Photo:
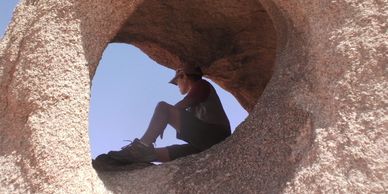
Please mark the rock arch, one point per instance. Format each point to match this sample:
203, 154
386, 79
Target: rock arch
308, 132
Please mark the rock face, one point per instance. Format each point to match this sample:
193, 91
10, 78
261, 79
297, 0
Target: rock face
312, 74
237, 37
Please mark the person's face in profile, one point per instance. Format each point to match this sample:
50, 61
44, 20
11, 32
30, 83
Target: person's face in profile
183, 84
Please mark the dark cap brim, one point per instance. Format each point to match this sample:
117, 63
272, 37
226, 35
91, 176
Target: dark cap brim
173, 81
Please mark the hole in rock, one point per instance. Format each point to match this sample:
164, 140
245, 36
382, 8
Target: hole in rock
125, 90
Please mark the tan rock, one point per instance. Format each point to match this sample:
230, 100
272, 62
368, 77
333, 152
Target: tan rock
314, 81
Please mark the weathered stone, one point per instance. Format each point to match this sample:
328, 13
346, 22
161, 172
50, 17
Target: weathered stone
318, 111
237, 37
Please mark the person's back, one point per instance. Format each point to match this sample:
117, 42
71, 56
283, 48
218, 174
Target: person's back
210, 109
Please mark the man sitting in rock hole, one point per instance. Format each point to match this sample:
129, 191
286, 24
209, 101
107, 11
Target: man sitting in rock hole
199, 119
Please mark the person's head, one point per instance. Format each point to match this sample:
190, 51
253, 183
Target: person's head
185, 77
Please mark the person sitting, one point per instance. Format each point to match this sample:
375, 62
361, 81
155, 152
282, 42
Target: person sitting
199, 119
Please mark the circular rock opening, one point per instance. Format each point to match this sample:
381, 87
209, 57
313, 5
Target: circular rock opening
125, 90
233, 43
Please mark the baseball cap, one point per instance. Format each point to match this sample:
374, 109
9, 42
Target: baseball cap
188, 70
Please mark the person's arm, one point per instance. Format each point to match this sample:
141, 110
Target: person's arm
198, 93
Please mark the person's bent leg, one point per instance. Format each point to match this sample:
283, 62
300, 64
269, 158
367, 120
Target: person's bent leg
164, 114
142, 150
173, 152
181, 150
162, 155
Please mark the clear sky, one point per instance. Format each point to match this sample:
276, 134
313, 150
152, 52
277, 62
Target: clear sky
125, 91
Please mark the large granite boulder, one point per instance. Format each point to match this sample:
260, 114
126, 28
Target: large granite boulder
311, 74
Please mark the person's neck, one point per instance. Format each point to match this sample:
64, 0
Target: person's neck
191, 83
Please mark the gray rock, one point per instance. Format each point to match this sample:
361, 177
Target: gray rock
312, 74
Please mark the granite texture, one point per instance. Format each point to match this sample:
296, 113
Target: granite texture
312, 74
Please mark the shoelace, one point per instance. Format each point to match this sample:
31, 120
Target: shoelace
130, 143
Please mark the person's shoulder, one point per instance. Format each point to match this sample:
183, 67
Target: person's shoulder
203, 83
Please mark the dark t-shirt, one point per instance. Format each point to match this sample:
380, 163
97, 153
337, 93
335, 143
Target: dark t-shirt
199, 91
205, 103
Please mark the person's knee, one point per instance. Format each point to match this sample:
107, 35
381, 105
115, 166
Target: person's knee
163, 106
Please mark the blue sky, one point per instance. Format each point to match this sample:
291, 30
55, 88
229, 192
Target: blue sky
125, 90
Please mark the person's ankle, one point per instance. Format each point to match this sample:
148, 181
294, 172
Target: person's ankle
145, 142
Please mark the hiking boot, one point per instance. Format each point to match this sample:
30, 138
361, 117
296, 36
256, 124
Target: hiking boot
137, 151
